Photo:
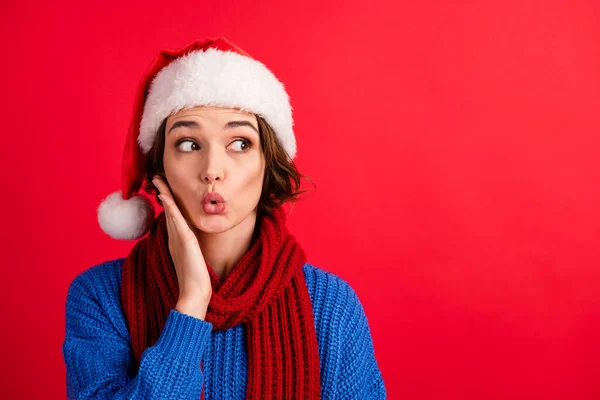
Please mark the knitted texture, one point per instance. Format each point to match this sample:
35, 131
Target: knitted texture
266, 291
100, 364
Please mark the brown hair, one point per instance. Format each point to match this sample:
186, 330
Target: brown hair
281, 182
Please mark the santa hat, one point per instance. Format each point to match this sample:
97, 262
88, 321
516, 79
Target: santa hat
208, 72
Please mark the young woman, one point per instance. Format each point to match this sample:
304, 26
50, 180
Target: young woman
218, 300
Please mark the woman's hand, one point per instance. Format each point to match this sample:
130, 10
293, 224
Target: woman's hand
195, 289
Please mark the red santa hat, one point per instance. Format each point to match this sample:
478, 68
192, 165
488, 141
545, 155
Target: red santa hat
208, 72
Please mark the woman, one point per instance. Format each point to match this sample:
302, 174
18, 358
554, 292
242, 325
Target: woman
218, 299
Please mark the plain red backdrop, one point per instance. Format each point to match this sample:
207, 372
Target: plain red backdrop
454, 145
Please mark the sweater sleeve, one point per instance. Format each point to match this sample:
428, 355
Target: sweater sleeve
99, 358
359, 377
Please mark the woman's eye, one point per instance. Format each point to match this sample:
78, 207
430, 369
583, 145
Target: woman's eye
189, 145
245, 144
187, 142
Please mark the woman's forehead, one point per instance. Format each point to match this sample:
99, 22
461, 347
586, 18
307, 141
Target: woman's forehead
212, 110
195, 117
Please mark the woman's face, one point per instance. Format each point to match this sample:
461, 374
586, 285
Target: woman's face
214, 149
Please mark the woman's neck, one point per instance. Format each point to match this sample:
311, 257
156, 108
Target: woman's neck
222, 251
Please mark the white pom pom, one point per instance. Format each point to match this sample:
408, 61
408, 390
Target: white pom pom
125, 219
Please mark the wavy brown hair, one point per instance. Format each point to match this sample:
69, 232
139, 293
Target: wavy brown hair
281, 182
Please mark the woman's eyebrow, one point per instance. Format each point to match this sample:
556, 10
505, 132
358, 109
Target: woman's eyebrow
196, 125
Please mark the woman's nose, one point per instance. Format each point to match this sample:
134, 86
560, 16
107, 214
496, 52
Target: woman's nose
214, 167
212, 177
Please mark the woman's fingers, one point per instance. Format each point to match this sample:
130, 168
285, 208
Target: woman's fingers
161, 185
170, 206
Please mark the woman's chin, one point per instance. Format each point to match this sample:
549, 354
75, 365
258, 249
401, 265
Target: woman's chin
212, 223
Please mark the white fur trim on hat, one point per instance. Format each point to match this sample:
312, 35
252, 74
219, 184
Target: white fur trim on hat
125, 219
219, 78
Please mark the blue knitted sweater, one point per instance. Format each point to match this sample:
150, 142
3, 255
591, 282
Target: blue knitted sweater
99, 359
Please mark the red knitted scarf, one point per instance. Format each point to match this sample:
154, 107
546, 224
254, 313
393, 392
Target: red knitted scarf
266, 292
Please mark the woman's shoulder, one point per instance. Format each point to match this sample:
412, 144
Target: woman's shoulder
332, 297
322, 282
103, 275
96, 290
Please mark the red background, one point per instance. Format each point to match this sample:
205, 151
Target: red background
454, 145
